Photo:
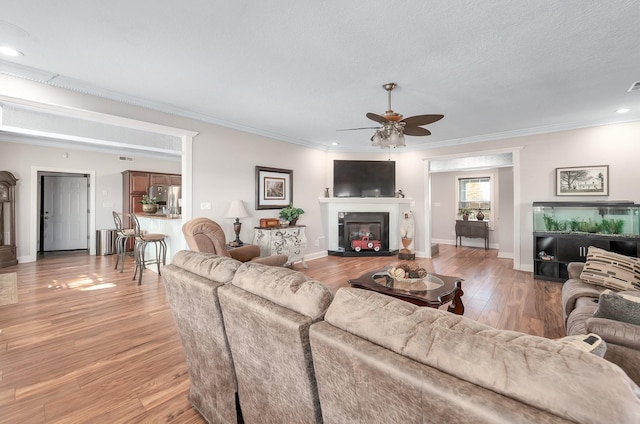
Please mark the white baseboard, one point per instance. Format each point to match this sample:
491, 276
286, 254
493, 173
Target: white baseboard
315, 255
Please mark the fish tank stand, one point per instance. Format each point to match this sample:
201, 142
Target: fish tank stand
563, 232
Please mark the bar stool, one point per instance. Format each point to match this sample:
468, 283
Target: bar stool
123, 236
142, 240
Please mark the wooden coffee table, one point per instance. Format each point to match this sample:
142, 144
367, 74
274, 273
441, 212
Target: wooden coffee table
434, 291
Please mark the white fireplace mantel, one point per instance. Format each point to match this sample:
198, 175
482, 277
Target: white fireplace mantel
330, 207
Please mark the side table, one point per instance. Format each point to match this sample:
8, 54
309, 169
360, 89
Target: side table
290, 241
472, 229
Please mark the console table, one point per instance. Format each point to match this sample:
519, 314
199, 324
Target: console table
290, 241
472, 229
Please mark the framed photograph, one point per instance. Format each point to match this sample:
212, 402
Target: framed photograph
274, 187
583, 181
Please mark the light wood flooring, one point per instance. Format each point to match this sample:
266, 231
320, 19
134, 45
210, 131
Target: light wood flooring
86, 344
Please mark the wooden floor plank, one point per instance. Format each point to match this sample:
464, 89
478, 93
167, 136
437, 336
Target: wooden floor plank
85, 343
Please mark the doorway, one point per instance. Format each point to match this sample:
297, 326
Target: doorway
63, 212
489, 159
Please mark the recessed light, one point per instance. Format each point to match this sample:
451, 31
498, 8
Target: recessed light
623, 110
334, 143
10, 51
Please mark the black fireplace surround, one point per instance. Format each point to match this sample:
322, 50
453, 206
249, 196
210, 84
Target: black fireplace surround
354, 225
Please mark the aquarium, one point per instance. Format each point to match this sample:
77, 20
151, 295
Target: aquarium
607, 218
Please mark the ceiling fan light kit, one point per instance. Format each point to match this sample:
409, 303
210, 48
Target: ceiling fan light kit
388, 136
394, 128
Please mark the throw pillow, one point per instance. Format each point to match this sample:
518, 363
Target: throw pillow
621, 306
611, 270
586, 342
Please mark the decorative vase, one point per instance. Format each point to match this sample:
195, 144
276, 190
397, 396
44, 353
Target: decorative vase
293, 222
465, 217
479, 215
149, 208
406, 242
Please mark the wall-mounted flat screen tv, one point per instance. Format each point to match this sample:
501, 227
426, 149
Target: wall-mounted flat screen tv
364, 178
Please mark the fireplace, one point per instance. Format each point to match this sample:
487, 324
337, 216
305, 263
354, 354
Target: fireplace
332, 208
363, 234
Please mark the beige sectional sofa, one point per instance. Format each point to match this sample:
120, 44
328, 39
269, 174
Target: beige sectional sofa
267, 314
192, 282
580, 302
374, 359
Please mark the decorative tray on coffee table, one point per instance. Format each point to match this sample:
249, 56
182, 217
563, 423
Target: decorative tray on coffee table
408, 278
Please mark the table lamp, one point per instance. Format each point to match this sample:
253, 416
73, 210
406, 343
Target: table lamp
237, 211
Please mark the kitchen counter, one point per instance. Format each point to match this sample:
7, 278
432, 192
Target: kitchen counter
170, 226
158, 216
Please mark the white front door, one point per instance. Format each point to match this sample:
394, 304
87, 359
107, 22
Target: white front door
65, 213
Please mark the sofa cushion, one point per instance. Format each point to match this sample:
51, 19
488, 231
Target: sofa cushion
285, 287
207, 265
514, 364
584, 309
574, 289
611, 270
620, 306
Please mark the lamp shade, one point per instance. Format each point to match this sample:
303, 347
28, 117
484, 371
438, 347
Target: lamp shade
376, 139
236, 210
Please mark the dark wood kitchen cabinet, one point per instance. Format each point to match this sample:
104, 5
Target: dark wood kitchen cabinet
135, 184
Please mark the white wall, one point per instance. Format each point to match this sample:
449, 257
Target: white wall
224, 161
615, 145
19, 159
444, 209
505, 219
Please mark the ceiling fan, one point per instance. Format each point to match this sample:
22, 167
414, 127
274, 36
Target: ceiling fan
394, 127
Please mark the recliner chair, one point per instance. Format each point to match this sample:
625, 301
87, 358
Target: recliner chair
204, 235
580, 302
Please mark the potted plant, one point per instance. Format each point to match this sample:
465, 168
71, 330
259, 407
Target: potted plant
149, 204
291, 214
465, 213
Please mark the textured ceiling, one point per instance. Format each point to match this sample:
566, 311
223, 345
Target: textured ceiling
298, 70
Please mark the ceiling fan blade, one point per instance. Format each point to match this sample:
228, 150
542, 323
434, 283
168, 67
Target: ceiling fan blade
416, 131
363, 128
377, 118
415, 121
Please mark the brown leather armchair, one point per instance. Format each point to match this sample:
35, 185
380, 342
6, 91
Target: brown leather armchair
205, 235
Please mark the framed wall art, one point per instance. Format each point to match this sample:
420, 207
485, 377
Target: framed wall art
274, 187
583, 181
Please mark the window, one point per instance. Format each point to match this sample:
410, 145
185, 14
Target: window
475, 193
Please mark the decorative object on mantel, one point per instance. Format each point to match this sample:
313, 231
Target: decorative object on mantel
291, 214
479, 215
465, 213
583, 181
237, 211
399, 194
274, 188
326, 192
407, 233
149, 204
